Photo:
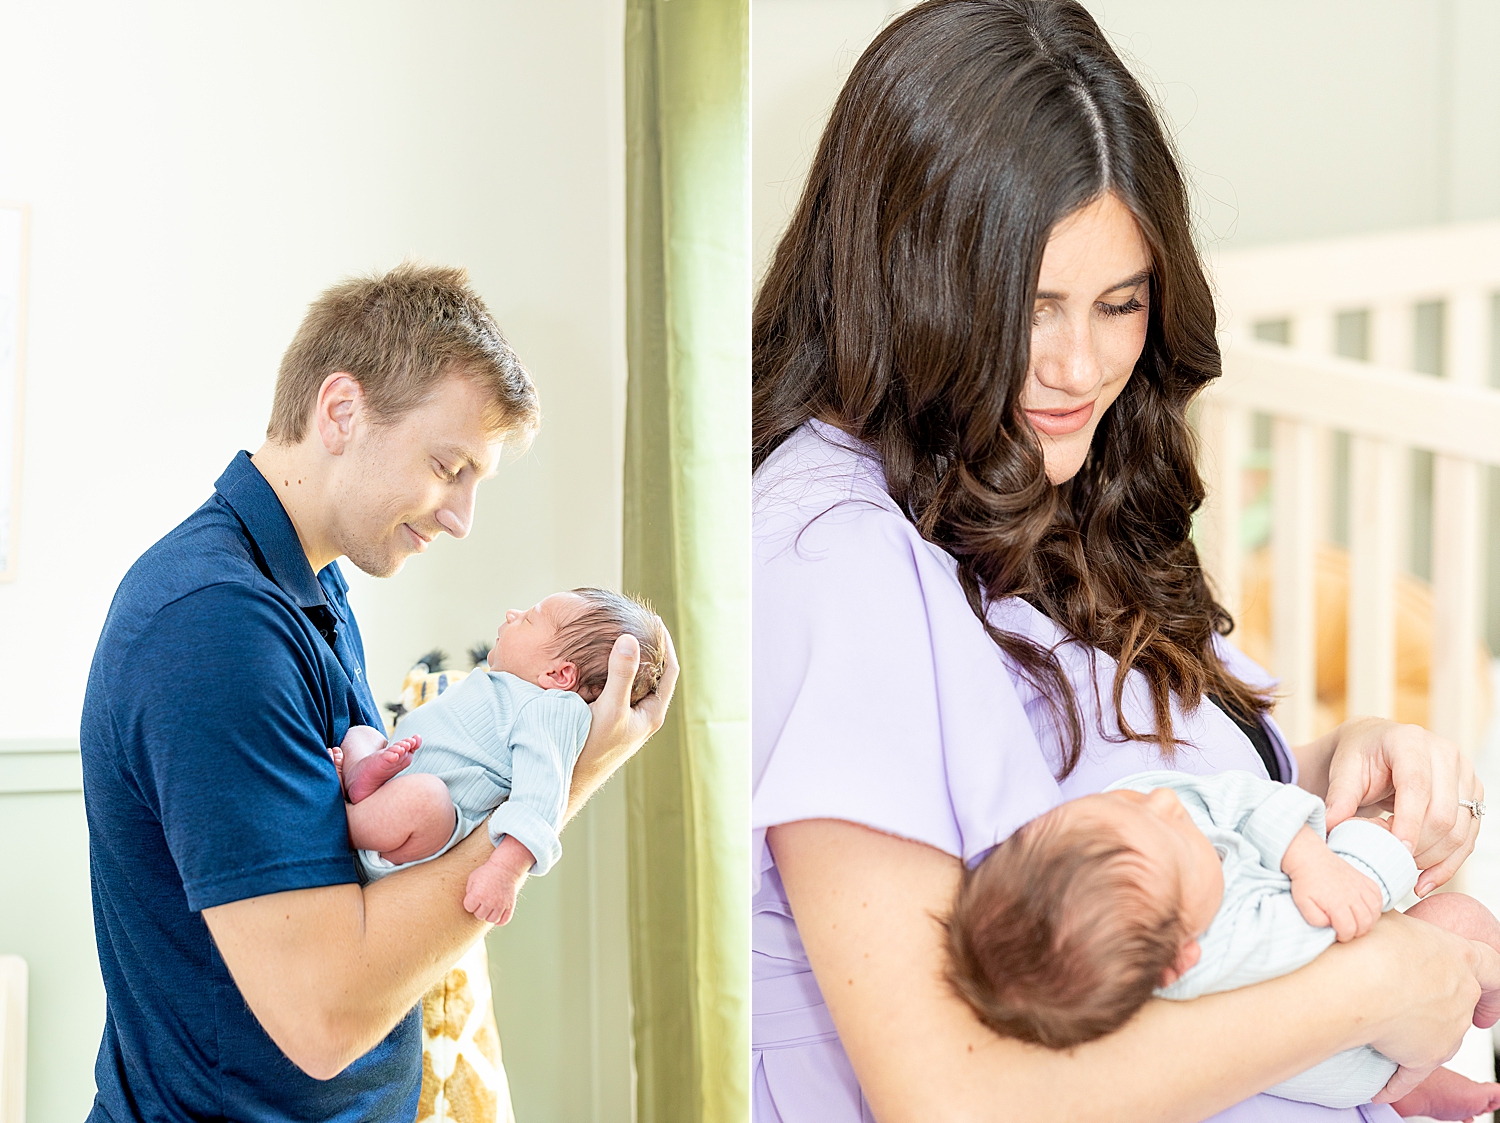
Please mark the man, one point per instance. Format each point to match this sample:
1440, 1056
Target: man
249, 975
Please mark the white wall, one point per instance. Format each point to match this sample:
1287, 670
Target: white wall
197, 173
1295, 119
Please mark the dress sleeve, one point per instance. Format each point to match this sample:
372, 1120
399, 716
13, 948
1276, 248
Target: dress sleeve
879, 697
545, 740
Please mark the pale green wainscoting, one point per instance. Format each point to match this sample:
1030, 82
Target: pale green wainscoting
46, 918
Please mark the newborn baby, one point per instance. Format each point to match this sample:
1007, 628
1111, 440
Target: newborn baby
1179, 886
501, 744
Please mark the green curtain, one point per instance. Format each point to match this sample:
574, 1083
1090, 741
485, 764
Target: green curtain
687, 542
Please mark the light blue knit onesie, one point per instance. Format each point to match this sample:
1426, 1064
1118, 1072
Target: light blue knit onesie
1258, 932
506, 750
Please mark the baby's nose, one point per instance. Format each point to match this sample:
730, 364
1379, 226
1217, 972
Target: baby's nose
511, 614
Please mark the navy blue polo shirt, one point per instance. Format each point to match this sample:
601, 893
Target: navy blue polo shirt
225, 669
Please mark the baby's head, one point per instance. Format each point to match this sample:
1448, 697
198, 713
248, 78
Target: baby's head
563, 642
1064, 930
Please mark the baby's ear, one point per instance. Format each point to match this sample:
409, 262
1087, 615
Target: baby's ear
1187, 956
563, 676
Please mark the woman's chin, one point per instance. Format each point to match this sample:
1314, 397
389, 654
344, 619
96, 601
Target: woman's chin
1062, 463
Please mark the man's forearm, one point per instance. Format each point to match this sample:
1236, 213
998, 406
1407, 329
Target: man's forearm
328, 972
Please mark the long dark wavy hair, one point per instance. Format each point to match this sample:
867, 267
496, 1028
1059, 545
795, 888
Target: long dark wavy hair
898, 308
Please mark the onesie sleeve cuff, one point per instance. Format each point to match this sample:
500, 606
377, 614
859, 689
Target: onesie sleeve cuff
1271, 827
1378, 854
530, 830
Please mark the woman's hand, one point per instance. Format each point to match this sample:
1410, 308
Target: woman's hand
1424, 981
1370, 762
618, 729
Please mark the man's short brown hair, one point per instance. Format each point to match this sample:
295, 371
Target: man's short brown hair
587, 639
1055, 937
401, 334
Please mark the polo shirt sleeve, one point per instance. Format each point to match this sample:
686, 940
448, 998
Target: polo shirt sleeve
232, 710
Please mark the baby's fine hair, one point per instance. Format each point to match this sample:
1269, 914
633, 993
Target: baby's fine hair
587, 639
1054, 939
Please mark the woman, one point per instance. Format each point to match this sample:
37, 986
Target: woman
976, 595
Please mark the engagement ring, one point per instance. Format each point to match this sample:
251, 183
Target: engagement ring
1475, 806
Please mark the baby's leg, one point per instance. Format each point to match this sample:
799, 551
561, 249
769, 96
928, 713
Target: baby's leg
366, 761
1464, 916
409, 818
1447, 1095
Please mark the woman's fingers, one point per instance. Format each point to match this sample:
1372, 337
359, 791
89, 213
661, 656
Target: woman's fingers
1435, 877
1404, 1081
1430, 977
1454, 828
1349, 785
1414, 769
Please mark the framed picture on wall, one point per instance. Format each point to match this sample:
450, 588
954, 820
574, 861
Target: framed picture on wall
13, 238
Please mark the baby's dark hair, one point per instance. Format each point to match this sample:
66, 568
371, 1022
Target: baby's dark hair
1054, 938
587, 639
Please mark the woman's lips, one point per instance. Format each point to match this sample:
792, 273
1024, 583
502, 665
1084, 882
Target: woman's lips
1059, 423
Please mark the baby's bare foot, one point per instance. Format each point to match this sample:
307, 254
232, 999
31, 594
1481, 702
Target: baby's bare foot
338, 760
1447, 1095
365, 776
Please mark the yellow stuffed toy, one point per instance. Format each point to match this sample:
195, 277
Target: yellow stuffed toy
463, 1079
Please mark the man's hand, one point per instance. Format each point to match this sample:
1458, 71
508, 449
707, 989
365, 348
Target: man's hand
1328, 891
492, 888
618, 729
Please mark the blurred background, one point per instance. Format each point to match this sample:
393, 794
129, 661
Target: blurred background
191, 176
1344, 164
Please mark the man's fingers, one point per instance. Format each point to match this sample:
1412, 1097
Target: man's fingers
624, 661
652, 709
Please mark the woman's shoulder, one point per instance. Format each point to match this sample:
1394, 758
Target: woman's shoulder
819, 503
880, 698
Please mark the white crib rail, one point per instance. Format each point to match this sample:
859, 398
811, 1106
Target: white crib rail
1385, 410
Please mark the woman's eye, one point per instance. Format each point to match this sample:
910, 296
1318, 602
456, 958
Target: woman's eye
1132, 305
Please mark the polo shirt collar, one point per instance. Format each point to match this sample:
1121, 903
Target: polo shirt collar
254, 501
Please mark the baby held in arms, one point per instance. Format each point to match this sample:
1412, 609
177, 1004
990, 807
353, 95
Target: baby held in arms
1176, 886
499, 746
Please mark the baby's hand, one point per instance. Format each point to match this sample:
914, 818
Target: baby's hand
1328, 891
491, 892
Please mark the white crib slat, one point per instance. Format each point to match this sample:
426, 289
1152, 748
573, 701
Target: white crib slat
1467, 336
1393, 335
12, 1039
1374, 537
1225, 433
1312, 330
1294, 518
1454, 693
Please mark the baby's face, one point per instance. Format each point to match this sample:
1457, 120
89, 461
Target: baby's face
1159, 827
526, 644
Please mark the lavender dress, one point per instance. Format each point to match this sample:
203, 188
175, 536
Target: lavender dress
951, 748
